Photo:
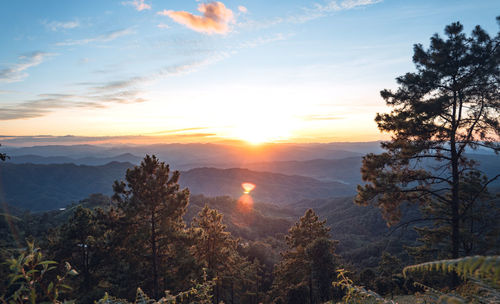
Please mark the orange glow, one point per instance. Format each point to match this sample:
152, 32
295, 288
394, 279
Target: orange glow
245, 203
245, 215
247, 187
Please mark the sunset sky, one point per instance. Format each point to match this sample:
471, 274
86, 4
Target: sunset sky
195, 71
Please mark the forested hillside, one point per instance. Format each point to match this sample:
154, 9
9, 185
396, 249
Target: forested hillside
48, 187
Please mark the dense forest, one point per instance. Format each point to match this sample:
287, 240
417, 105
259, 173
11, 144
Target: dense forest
422, 227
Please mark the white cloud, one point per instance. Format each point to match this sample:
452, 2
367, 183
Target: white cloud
242, 9
101, 38
163, 26
263, 40
58, 25
321, 10
138, 4
17, 72
317, 10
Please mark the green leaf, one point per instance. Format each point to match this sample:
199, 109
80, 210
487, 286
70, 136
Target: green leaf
47, 262
49, 288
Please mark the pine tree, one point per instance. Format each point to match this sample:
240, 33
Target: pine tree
449, 106
297, 275
152, 206
216, 250
80, 242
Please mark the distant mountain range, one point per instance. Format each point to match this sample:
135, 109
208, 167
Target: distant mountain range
44, 187
284, 174
90, 161
187, 156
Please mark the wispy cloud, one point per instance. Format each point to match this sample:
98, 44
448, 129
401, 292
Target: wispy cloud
100, 95
263, 40
320, 117
317, 10
150, 138
60, 25
174, 131
138, 4
242, 9
46, 103
163, 26
101, 38
17, 72
321, 10
215, 18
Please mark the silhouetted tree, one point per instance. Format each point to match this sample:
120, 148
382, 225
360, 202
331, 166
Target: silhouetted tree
297, 275
216, 249
322, 263
80, 241
3, 156
152, 205
447, 107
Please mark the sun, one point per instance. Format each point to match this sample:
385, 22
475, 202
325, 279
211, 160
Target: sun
262, 129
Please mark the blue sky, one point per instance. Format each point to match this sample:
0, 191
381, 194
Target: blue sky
204, 71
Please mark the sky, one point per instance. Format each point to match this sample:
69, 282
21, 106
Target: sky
160, 71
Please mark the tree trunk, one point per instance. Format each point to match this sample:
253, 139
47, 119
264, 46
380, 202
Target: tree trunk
232, 291
310, 290
155, 255
455, 199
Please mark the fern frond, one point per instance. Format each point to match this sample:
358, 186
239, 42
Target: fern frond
480, 267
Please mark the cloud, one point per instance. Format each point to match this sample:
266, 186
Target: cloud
242, 9
100, 95
321, 117
17, 72
349, 4
138, 4
58, 25
215, 18
46, 103
101, 38
321, 10
163, 26
164, 132
132, 139
316, 11
263, 40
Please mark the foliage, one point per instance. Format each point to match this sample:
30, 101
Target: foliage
479, 267
81, 241
305, 264
214, 248
448, 107
31, 279
200, 293
356, 294
151, 206
481, 273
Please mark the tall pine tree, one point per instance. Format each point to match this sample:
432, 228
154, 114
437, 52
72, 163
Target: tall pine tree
302, 272
449, 106
152, 206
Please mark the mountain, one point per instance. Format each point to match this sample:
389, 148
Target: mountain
181, 156
44, 187
345, 170
362, 232
90, 161
270, 187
